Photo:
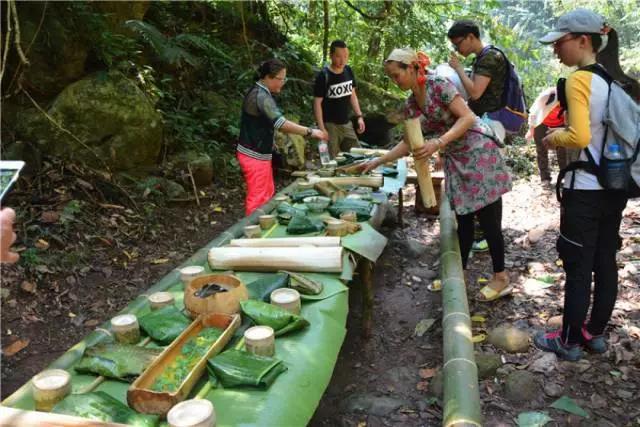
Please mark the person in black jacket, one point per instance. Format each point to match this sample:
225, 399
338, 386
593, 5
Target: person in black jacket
260, 118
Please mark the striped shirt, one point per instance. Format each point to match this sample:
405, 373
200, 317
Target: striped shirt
260, 118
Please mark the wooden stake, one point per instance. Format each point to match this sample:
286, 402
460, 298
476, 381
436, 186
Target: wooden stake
193, 183
415, 139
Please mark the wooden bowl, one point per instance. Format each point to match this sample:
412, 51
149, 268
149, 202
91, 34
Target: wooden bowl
221, 302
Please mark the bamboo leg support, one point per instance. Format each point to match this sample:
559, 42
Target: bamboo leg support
366, 279
400, 208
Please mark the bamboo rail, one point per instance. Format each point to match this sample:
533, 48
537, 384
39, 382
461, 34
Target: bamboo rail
460, 372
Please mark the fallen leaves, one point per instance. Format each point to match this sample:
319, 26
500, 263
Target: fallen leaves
423, 326
15, 347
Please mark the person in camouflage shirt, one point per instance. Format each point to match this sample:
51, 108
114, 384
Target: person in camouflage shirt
485, 86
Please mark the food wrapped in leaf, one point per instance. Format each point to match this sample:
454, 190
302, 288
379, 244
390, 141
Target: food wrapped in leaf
116, 360
302, 225
99, 406
278, 318
304, 284
298, 196
286, 208
164, 325
261, 289
362, 208
234, 368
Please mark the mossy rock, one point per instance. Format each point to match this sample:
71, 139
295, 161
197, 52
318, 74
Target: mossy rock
112, 118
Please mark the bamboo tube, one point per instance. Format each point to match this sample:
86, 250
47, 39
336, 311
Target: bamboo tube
369, 151
12, 417
362, 181
311, 259
320, 241
415, 139
461, 394
329, 189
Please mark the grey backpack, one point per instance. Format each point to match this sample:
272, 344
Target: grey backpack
622, 128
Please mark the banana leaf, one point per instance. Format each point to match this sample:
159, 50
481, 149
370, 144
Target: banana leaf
302, 225
278, 318
367, 242
164, 325
115, 360
362, 208
99, 406
298, 196
234, 368
261, 289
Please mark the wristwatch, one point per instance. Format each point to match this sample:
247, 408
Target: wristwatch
308, 133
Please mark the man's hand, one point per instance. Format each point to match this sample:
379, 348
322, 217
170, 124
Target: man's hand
7, 236
360, 124
454, 62
320, 134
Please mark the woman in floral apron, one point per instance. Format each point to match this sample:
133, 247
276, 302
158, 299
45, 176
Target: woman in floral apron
475, 172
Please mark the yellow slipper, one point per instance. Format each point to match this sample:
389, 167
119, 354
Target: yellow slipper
487, 293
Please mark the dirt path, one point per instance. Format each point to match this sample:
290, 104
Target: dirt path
393, 379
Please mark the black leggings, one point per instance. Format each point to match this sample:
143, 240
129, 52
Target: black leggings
588, 242
490, 218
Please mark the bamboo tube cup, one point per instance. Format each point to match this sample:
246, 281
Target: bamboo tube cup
286, 298
415, 139
267, 221
126, 328
192, 413
160, 299
252, 232
260, 340
50, 387
189, 273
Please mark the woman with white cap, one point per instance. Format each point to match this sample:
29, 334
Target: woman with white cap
475, 171
590, 215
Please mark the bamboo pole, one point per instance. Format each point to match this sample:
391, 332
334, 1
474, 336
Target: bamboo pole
369, 151
74, 354
415, 139
461, 394
363, 181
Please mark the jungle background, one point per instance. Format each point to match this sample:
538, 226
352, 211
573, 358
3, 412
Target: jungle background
127, 112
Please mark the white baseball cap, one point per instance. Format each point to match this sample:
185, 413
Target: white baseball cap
581, 21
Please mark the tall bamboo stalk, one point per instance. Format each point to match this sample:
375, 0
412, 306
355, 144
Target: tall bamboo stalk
461, 394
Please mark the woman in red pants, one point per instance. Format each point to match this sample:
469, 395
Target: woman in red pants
260, 118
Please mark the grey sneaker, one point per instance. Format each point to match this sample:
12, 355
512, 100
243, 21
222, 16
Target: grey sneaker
594, 343
552, 342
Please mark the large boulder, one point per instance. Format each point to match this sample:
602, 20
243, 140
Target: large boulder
112, 121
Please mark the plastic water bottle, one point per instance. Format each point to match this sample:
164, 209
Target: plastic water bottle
323, 148
616, 173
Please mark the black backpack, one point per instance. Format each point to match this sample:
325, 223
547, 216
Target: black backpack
325, 72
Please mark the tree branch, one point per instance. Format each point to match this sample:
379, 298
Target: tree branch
16, 40
379, 17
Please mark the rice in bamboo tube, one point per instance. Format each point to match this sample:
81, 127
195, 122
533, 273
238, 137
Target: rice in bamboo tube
415, 139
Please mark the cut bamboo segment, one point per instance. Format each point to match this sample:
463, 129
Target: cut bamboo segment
362, 181
283, 242
415, 139
311, 259
329, 189
369, 151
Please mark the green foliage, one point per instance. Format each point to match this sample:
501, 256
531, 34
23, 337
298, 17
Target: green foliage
521, 157
71, 209
170, 50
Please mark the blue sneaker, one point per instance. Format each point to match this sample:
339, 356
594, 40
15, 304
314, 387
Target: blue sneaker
594, 343
552, 342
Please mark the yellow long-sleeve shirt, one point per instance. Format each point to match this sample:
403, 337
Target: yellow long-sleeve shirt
587, 95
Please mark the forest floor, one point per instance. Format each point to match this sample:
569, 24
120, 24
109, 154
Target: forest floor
83, 261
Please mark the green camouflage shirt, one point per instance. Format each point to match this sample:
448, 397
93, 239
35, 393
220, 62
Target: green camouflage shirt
491, 64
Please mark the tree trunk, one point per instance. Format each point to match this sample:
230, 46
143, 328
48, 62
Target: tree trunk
325, 39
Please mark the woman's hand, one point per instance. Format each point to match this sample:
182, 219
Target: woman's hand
546, 141
319, 134
7, 236
369, 166
430, 147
